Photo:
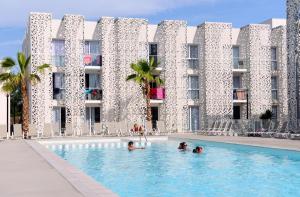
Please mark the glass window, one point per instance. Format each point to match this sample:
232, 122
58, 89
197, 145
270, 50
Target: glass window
194, 118
274, 58
153, 49
92, 53
92, 81
193, 52
236, 57
274, 85
236, 82
58, 52
58, 86
193, 61
193, 89
274, 111
153, 52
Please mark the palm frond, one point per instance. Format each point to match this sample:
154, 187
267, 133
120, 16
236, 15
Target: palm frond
10, 85
159, 81
4, 76
27, 62
130, 77
42, 68
135, 67
22, 62
8, 63
34, 79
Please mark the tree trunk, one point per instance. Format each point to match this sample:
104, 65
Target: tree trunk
25, 109
149, 115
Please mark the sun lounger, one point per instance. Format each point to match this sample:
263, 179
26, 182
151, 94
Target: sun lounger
18, 131
214, 130
47, 131
283, 131
219, 128
3, 133
68, 130
112, 129
161, 128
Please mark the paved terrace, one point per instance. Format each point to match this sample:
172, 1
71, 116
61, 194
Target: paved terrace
23, 172
252, 141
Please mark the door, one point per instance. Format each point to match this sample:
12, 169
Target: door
154, 112
236, 112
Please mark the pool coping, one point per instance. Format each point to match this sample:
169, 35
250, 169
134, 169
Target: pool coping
86, 185
217, 139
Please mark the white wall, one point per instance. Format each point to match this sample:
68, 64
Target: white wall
3, 106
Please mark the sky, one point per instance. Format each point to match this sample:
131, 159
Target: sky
14, 13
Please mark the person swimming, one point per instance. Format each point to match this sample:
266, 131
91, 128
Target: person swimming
182, 146
131, 146
198, 149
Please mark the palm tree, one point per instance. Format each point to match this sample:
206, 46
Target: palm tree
12, 80
143, 76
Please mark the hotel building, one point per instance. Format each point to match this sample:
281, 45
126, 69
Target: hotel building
211, 71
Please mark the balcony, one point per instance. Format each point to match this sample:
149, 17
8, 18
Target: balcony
157, 93
239, 95
58, 60
93, 94
239, 65
92, 60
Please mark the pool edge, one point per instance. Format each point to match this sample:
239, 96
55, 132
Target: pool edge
86, 185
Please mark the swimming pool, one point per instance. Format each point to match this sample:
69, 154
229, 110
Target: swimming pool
162, 170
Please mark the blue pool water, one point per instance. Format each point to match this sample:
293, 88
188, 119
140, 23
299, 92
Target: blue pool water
162, 170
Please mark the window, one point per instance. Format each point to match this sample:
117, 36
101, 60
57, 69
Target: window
153, 52
236, 82
193, 61
193, 88
93, 87
194, 118
58, 52
92, 55
59, 116
274, 88
274, 111
274, 58
237, 64
58, 86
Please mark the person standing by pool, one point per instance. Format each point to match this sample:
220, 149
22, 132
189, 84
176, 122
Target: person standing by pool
198, 150
131, 146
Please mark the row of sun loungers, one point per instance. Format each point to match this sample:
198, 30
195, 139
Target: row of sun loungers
98, 129
274, 129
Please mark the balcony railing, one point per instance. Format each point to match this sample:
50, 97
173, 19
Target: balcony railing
157, 93
92, 60
59, 94
58, 60
238, 63
193, 63
239, 94
93, 94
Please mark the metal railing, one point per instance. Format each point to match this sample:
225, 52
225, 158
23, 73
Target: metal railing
239, 94
92, 60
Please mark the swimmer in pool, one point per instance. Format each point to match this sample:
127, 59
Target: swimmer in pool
131, 146
198, 150
182, 146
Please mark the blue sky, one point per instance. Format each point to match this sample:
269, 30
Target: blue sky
14, 13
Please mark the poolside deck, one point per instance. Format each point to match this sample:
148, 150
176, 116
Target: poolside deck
252, 141
24, 172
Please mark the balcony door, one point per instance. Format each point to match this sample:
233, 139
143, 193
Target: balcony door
236, 112
194, 118
154, 112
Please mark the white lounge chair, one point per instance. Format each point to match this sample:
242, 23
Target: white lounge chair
33, 130
3, 133
18, 131
68, 130
85, 129
161, 128
48, 130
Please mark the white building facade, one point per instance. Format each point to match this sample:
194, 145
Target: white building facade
5, 107
211, 71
